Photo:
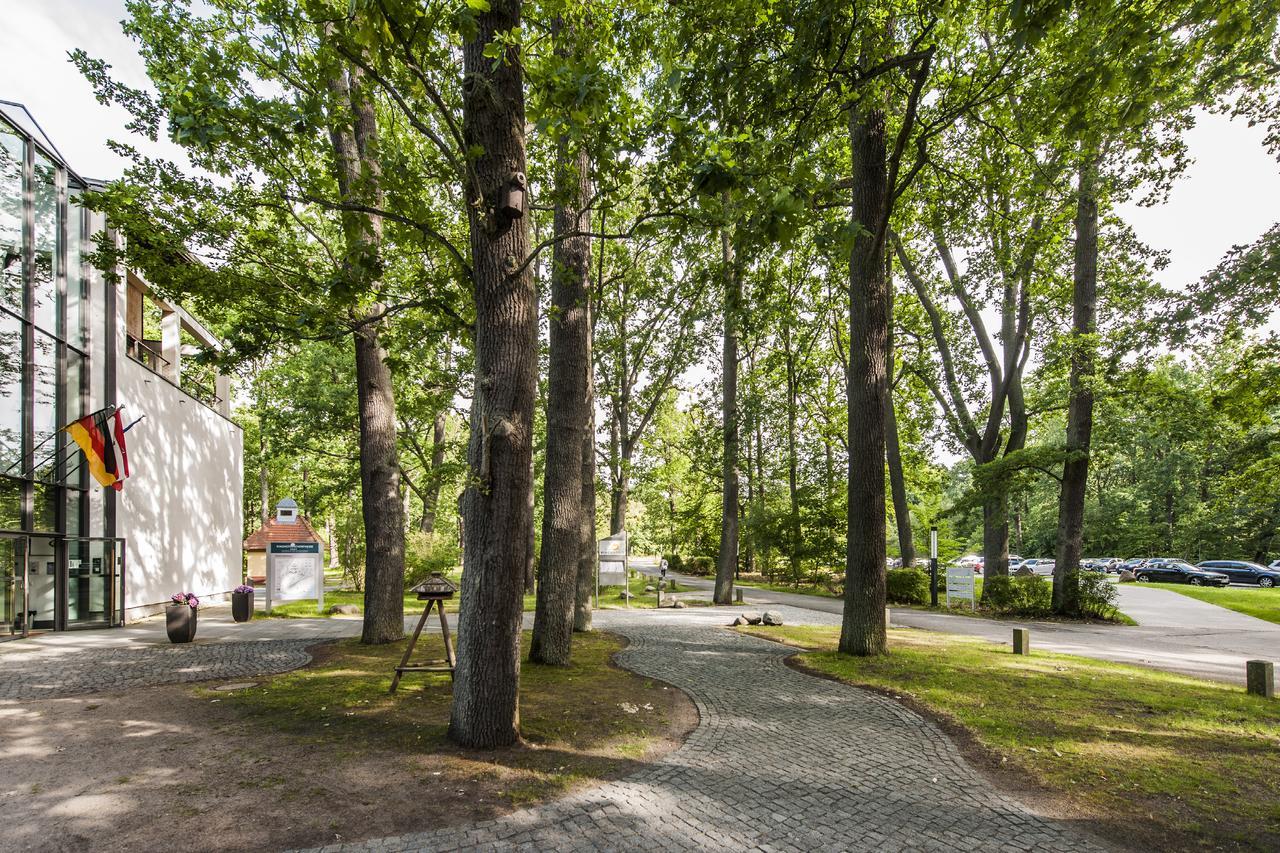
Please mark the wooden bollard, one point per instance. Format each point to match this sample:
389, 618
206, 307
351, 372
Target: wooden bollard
1022, 641
887, 618
1260, 678
737, 595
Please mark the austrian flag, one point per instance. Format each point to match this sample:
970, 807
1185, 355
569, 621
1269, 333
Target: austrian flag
101, 437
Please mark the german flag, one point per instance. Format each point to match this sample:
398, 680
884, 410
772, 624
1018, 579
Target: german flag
101, 437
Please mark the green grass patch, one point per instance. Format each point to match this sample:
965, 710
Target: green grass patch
1252, 601
585, 722
611, 597
1136, 747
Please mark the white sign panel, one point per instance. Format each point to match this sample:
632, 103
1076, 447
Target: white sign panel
960, 584
294, 577
613, 560
295, 571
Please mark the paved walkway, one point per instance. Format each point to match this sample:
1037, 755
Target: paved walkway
779, 761
1175, 633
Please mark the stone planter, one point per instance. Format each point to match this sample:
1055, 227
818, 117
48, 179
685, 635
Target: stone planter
242, 606
180, 623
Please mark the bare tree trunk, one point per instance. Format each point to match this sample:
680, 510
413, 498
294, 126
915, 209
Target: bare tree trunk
568, 415
353, 133
1075, 471
263, 489
587, 554
432, 497
793, 460
486, 707
893, 453
898, 485
863, 628
727, 560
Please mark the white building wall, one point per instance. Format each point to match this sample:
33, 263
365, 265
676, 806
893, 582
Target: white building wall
181, 508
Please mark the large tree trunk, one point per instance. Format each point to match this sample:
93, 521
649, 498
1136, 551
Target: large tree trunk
995, 536
1075, 471
486, 709
354, 137
568, 414
863, 628
727, 560
380, 493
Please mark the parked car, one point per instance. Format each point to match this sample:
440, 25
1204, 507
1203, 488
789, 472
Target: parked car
1180, 571
1108, 564
1242, 571
1133, 564
1038, 565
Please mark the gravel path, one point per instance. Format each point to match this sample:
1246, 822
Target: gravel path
779, 761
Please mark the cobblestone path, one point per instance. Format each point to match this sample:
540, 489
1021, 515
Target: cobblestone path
51, 672
779, 761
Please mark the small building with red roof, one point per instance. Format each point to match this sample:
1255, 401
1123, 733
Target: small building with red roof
288, 527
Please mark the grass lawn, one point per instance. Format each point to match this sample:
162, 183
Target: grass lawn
1142, 751
1253, 601
583, 723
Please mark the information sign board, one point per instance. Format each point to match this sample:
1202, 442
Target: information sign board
960, 584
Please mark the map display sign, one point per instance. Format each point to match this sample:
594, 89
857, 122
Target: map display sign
960, 584
295, 571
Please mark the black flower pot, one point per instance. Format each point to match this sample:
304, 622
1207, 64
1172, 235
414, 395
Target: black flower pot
180, 623
242, 606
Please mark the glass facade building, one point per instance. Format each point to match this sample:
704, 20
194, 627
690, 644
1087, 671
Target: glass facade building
59, 565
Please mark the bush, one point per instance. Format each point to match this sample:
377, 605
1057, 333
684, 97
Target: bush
1097, 596
700, 565
1017, 596
906, 586
675, 563
422, 556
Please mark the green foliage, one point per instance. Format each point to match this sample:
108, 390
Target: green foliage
1017, 595
1096, 594
425, 554
907, 586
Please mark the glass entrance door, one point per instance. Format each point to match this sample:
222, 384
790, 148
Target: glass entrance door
94, 574
15, 618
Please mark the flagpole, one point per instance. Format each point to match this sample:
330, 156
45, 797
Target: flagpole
110, 410
80, 464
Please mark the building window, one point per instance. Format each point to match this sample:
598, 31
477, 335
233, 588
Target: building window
44, 290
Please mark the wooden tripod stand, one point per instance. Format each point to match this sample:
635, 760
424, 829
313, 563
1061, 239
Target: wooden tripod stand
446, 665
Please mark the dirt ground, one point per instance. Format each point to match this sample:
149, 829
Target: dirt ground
192, 768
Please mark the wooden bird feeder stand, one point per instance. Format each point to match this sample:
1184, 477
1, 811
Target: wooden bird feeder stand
435, 590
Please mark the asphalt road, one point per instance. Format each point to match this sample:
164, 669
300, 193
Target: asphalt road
1174, 632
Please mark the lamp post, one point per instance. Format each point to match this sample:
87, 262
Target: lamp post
933, 566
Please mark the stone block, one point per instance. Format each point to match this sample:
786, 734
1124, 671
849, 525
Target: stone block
1260, 678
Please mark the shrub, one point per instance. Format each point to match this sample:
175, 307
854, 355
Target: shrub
675, 563
1017, 596
700, 565
906, 586
1097, 596
424, 555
